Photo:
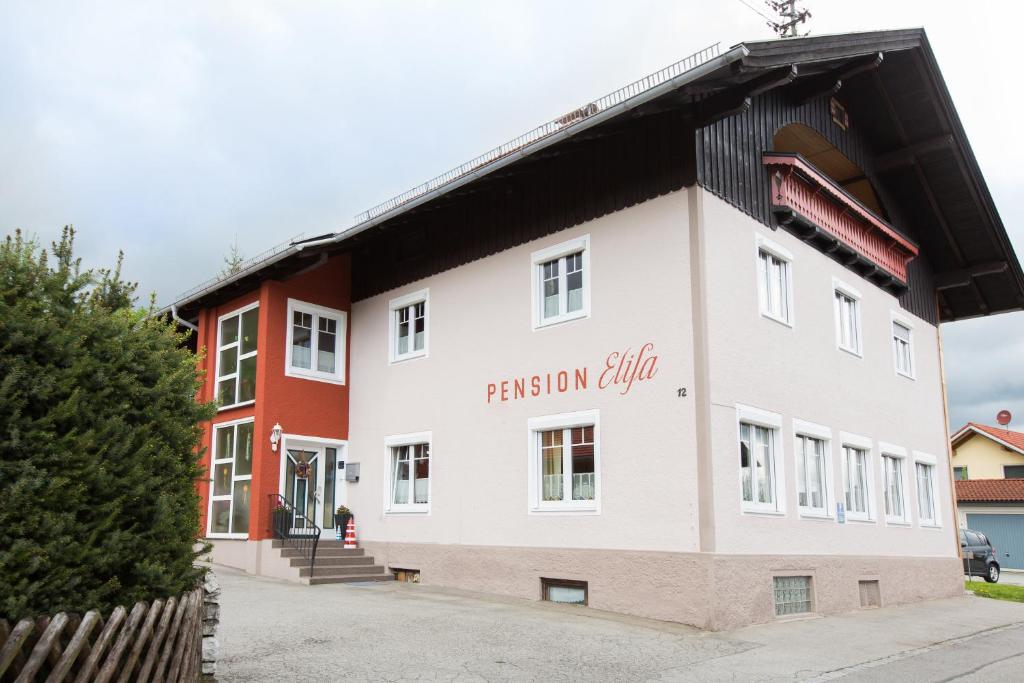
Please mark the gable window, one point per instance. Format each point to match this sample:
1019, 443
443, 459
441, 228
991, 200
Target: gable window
316, 342
564, 462
960, 474
903, 349
409, 473
927, 514
1012, 472
847, 315
561, 282
236, 356
759, 461
856, 477
408, 327
812, 456
231, 480
774, 281
893, 486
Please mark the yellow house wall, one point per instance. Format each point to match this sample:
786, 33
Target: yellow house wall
984, 458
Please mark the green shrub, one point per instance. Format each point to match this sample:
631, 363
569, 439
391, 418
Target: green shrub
98, 439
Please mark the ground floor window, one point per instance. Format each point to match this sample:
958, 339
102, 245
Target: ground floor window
564, 591
855, 482
759, 453
231, 479
792, 595
810, 474
409, 473
925, 475
892, 473
564, 456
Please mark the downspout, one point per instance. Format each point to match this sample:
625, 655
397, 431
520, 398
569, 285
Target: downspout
949, 443
182, 321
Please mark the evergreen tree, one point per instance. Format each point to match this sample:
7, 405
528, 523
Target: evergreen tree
98, 439
233, 260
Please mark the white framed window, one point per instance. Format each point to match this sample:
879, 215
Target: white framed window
316, 342
903, 347
847, 317
236, 356
774, 281
927, 501
561, 282
858, 496
812, 454
894, 483
408, 467
409, 329
760, 460
565, 464
230, 480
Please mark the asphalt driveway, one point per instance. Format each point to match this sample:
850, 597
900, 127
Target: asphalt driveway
277, 631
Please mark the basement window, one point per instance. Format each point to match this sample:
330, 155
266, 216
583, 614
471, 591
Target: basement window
564, 591
870, 594
406, 575
792, 595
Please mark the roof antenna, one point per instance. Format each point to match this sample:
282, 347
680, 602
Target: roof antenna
785, 17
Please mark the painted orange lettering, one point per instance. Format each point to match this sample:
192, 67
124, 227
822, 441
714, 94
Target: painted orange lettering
491, 389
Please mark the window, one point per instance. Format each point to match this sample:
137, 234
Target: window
925, 494
316, 342
561, 282
409, 467
231, 479
759, 464
564, 591
1013, 471
775, 292
564, 462
903, 350
960, 473
792, 595
811, 468
847, 314
895, 494
236, 356
856, 480
408, 328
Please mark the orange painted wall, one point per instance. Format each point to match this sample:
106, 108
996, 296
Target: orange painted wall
302, 406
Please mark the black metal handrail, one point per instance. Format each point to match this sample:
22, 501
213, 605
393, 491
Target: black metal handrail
283, 515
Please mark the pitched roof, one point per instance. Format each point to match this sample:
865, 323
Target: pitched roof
990, 491
1001, 435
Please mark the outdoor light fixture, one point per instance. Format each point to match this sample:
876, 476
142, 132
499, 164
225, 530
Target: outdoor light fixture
275, 436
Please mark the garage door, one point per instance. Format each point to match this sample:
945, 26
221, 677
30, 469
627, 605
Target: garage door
1006, 533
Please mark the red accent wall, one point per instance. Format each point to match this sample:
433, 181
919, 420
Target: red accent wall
302, 406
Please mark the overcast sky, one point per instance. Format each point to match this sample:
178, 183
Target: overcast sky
170, 129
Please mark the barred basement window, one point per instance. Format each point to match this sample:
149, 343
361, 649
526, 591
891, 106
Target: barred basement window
564, 591
792, 595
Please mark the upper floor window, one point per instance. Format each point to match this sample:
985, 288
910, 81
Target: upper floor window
1012, 472
774, 281
564, 455
960, 473
903, 350
893, 485
847, 315
759, 460
408, 331
316, 342
561, 282
409, 473
236, 356
924, 469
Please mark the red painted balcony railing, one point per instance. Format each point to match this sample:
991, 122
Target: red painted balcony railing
800, 189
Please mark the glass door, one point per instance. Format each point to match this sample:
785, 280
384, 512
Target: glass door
303, 485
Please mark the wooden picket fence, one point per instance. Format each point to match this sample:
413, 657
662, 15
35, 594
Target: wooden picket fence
158, 641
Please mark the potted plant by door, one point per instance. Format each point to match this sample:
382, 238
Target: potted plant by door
341, 517
280, 518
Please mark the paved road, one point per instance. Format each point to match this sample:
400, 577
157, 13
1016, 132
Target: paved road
277, 631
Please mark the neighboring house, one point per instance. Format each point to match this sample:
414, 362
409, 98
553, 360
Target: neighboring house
673, 354
983, 452
989, 465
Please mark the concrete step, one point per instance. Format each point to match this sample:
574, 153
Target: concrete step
324, 552
319, 580
349, 570
344, 560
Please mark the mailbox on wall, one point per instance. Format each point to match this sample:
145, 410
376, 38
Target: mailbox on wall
352, 472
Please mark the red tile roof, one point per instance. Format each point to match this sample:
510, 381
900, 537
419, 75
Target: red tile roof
990, 491
1015, 439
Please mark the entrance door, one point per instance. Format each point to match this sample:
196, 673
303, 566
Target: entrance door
310, 483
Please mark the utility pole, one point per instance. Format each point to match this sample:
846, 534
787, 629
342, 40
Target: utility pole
785, 16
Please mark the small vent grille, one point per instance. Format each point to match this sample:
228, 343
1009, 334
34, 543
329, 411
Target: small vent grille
870, 594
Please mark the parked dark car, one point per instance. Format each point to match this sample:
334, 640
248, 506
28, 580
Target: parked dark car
979, 555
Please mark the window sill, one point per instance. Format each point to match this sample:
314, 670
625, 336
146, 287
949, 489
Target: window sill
898, 522
852, 352
907, 376
421, 509
859, 520
590, 509
233, 406
932, 526
764, 513
409, 356
552, 322
314, 376
222, 536
785, 323
805, 513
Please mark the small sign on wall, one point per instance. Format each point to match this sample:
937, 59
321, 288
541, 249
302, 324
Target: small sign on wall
840, 513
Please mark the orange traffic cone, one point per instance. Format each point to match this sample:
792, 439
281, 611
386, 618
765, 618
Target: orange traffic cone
350, 534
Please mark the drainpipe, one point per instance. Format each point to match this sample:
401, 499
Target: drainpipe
182, 321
